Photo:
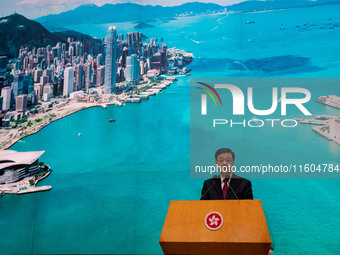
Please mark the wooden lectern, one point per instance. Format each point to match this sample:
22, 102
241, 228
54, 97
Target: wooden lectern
243, 232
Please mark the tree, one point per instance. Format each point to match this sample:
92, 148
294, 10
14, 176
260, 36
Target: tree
31, 182
42, 164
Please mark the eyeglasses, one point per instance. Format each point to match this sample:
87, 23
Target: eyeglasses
225, 160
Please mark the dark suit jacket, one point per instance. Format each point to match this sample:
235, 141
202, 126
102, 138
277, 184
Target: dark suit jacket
212, 189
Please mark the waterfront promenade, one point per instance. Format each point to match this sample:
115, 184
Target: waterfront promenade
63, 107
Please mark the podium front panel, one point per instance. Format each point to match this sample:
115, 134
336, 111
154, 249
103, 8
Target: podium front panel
244, 229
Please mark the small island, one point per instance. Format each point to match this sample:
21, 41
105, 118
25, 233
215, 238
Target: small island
143, 25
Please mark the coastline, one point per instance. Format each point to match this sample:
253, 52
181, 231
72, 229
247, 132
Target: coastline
43, 114
37, 129
75, 106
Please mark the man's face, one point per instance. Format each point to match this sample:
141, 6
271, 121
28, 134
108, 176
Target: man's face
225, 162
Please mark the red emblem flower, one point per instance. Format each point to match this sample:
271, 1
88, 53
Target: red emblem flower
213, 220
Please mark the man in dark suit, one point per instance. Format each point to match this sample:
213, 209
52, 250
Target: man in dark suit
226, 185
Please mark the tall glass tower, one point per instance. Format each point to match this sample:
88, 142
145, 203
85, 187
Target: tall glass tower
110, 61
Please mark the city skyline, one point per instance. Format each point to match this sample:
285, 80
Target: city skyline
44, 83
34, 9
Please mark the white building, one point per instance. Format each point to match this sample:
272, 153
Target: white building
77, 94
152, 73
15, 166
132, 71
38, 90
68, 81
21, 104
6, 94
48, 92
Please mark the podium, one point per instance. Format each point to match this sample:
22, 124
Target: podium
244, 230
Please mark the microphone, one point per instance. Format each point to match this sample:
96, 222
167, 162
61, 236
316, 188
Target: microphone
207, 190
233, 190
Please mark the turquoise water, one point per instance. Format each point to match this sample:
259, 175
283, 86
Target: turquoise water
112, 186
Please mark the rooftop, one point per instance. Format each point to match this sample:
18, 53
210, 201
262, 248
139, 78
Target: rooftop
10, 158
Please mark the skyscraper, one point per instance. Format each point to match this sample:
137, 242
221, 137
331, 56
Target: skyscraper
71, 51
124, 55
110, 61
49, 73
17, 86
100, 75
48, 92
88, 75
68, 81
44, 79
99, 59
132, 69
6, 94
21, 104
79, 84
38, 90
28, 84
37, 74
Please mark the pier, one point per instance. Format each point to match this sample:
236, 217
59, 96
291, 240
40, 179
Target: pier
156, 91
171, 78
149, 93
34, 189
331, 100
329, 129
143, 96
313, 121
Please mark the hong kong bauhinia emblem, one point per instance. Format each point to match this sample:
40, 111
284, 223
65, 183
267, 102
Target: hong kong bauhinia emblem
213, 220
